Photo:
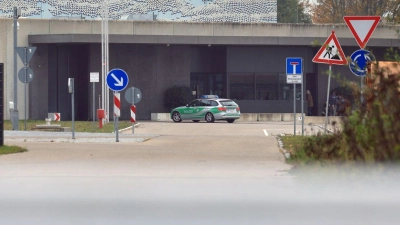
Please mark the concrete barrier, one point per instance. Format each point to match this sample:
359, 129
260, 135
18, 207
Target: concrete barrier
248, 117
160, 117
264, 117
321, 119
287, 116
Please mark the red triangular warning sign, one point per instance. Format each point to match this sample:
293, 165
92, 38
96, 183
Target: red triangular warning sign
362, 27
331, 52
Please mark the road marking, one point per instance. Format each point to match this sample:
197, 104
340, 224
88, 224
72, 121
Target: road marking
265, 132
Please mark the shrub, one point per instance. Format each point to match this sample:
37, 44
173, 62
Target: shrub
177, 96
370, 133
345, 91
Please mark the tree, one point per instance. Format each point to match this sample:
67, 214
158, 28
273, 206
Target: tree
333, 11
294, 11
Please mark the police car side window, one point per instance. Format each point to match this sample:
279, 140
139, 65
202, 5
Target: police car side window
205, 102
194, 103
213, 103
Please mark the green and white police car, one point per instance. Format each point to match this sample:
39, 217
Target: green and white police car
208, 108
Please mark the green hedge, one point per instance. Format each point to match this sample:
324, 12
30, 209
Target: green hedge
177, 96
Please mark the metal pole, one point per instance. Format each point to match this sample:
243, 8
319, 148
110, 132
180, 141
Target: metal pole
327, 97
294, 107
115, 120
25, 101
26, 81
94, 106
102, 61
15, 116
302, 104
133, 104
362, 86
106, 94
116, 127
107, 62
73, 110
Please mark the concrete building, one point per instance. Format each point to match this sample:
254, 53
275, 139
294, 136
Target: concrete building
245, 62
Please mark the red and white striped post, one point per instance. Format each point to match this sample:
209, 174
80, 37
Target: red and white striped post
117, 104
117, 111
133, 117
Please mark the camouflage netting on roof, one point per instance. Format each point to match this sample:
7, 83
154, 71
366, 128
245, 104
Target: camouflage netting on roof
242, 11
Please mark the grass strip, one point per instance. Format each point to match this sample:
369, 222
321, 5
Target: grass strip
11, 149
80, 126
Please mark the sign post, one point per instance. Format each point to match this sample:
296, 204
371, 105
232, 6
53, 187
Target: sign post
133, 117
330, 53
294, 74
71, 90
117, 111
25, 74
2, 104
15, 115
94, 78
133, 95
117, 80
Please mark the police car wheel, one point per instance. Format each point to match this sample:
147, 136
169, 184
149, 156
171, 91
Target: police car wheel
210, 118
176, 117
230, 120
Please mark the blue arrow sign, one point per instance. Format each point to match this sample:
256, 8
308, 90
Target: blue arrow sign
294, 66
360, 61
117, 80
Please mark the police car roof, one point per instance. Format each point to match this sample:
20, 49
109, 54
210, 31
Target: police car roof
209, 96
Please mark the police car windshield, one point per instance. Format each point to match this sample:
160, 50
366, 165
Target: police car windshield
228, 103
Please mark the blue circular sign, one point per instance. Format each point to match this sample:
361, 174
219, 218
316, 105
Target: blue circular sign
117, 79
360, 62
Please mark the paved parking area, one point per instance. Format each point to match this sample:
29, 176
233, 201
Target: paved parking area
180, 173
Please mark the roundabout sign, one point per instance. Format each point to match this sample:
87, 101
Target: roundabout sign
361, 62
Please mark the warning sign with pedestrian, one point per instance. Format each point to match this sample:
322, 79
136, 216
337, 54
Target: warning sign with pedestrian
331, 52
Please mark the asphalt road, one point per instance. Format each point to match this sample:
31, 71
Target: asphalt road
184, 173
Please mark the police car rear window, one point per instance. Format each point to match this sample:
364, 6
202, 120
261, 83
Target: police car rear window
228, 103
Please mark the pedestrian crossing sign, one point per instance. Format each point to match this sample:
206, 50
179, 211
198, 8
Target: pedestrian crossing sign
331, 52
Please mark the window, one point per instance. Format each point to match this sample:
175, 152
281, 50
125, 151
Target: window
208, 84
195, 103
242, 86
266, 87
228, 103
205, 102
213, 103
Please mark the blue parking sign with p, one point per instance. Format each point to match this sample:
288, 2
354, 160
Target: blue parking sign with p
294, 66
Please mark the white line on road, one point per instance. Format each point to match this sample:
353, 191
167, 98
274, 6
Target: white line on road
265, 132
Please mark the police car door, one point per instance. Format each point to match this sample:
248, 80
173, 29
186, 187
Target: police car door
190, 110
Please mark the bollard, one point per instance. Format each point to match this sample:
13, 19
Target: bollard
101, 116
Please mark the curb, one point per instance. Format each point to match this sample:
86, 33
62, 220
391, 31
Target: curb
281, 147
128, 128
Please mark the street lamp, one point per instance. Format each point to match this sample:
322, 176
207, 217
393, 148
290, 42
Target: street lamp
15, 116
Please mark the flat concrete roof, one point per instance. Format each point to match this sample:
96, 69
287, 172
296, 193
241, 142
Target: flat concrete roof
40, 31
200, 40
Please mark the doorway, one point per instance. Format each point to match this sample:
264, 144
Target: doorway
311, 84
69, 61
